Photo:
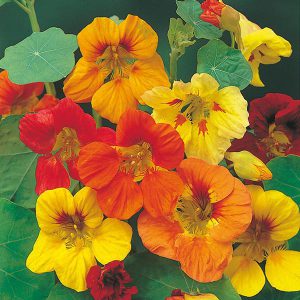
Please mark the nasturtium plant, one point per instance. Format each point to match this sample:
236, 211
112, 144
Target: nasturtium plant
190, 11
2, 2
18, 232
227, 65
46, 56
287, 184
60, 292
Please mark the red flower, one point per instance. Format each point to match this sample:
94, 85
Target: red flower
212, 11
145, 152
58, 134
109, 282
275, 120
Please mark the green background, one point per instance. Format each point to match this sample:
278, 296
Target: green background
73, 15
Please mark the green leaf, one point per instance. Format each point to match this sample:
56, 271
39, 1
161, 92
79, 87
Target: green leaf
17, 165
227, 65
180, 35
156, 278
42, 57
145, 108
60, 292
18, 233
190, 11
286, 176
2, 2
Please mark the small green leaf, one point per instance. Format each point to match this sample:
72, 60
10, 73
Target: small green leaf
18, 233
60, 292
286, 176
190, 11
17, 165
156, 278
180, 36
42, 57
227, 65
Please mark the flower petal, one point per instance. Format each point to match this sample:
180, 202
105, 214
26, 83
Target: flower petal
48, 101
203, 85
112, 241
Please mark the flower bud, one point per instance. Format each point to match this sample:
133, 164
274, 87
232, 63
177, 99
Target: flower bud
248, 166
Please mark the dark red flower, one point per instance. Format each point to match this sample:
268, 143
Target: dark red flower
58, 133
109, 282
275, 120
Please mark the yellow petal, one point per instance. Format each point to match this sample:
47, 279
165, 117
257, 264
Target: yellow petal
246, 276
256, 81
113, 99
51, 205
112, 240
45, 250
86, 204
203, 85
201, 297
72, 266
283, 270
147, 74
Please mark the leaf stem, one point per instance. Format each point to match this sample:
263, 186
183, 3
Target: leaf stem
173, 65
232, 40
32, 17
97, 118
50, 88
23, 7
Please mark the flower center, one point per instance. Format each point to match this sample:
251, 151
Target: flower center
136, 159
67, 144
21, 106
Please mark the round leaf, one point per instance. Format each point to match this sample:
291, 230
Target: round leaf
60, 292
227, 65
42, 57
18, 233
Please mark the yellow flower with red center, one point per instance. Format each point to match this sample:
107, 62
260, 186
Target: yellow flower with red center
73, 232
212, 211
136, 171
261, 46
119, 64
276, 219
205, 117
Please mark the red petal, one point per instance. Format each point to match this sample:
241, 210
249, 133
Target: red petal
50, 174
48, 101
72, 167
37, 131
106, 135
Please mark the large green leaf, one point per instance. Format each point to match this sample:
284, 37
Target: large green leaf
156, 277
60, 292
42, 57
17, 165
286, 176
227, 65
2, 2
18, 233
190, 11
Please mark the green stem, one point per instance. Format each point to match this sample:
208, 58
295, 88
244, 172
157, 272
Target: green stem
173, 65
50, 88
22, 6
97, 118
232, 40
32, 17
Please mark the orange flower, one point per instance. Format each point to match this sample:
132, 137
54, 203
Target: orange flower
18, 99
125, 56
212, 211
144, 151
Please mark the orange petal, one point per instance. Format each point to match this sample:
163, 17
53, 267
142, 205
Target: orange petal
46, 102
201, 177
159, 234
96, 37
85, 79
98, 164
161, 190
113, 99
147, 74
202, 258
121, 198
138, 37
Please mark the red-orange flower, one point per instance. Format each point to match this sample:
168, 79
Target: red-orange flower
17, 99
212, 211
144, 151
212, 11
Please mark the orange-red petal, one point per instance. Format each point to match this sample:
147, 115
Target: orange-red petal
46, 102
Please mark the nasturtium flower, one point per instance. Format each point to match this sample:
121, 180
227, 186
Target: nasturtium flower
17, 99
179, 295
276, 219
275, 121
248, 166
144, 152
205, 117
261, 46
119, 64
73, 233
212, 211
57, 134
110, 282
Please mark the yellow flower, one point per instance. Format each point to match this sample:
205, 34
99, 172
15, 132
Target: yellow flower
248, 166
261, 46
276, 219
205, 117
72, 234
